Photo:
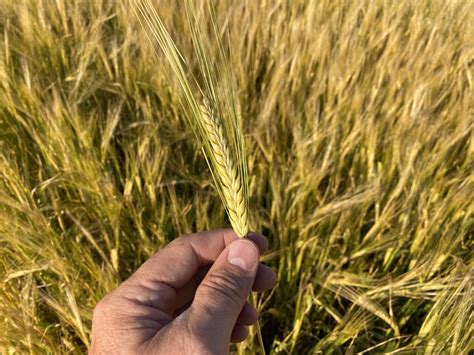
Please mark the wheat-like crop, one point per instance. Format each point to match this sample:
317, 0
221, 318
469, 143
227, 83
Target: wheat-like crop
359, 123
215, 123
225, 171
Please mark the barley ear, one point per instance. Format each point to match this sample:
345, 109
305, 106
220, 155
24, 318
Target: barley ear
224, 169
216, 123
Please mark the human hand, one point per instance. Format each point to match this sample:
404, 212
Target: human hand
189, 298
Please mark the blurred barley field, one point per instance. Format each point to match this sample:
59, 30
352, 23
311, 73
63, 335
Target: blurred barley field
358, 121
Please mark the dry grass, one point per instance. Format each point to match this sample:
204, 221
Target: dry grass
358, 121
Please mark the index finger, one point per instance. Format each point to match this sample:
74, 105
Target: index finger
176, 264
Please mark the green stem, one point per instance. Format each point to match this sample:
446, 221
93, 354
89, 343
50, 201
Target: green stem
259, 333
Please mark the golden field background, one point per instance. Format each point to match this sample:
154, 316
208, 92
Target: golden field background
358, 119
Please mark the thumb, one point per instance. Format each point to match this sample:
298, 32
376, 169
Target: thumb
224, 291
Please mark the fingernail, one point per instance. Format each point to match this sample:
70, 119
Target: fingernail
253, 235
243, 254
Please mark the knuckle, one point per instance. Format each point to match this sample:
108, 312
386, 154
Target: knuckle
105, 307
101, 308
180, 241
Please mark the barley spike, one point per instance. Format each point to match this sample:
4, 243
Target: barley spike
226, 173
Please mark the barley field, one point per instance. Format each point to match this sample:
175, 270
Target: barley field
358, 127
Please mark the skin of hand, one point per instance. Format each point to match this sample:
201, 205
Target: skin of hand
188, 298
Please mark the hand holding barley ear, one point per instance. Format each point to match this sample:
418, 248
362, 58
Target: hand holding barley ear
190, 297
